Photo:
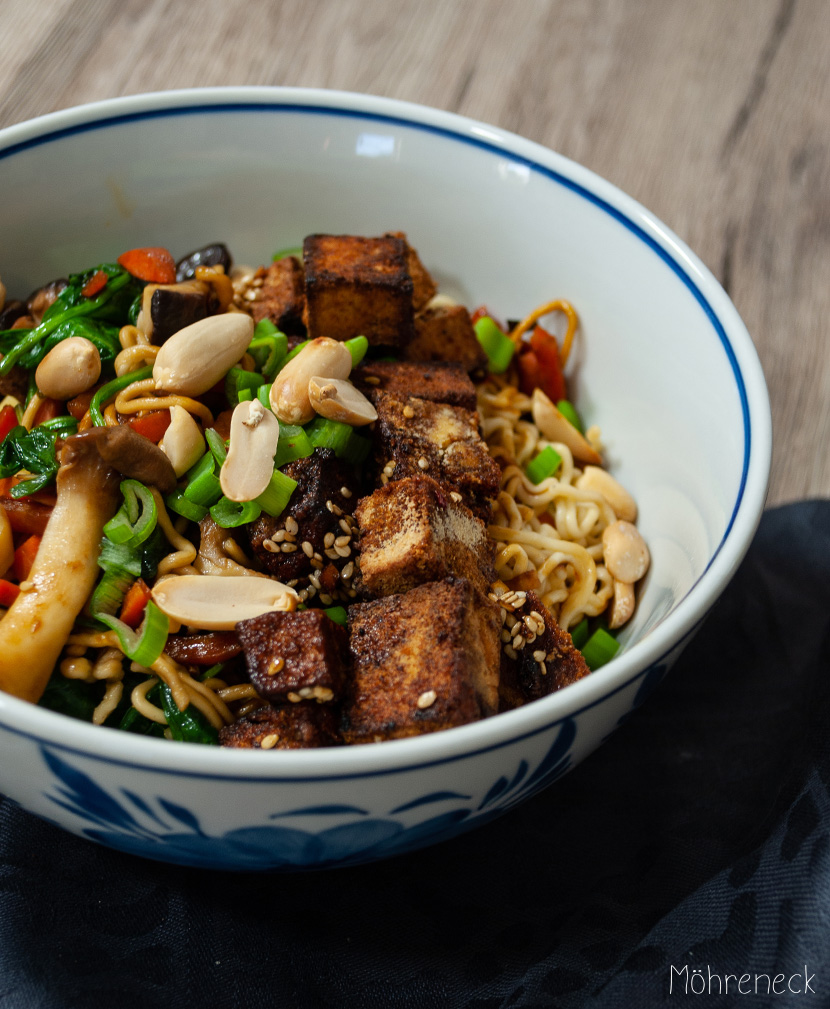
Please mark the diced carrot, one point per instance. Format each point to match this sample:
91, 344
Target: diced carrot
24, 557
96, 283
152, 425
153, 264
528, 365
8, 420
8, 593
135, 602
48, 410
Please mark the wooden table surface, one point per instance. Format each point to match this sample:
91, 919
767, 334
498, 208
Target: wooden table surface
715, 114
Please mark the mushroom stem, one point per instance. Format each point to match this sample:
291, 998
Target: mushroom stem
36, 626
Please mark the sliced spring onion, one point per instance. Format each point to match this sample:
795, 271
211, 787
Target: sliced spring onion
245, 395
230, 514
238, 380
268, 347
188, 726
178, 503
600, 648
66, 425
342, 438
135, 520
113, 388
203, 487
294, 444
119, 559
357, 348
294, 250
263, 394
498, 347
292, 354
217, 446
338, 614
147, 643
546, 463
580, 633
277, 494
568, 411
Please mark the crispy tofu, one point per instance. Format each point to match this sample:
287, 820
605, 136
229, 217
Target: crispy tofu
412, 531
422, 661
546, 662
445, 333
415, 436
282, 296
295, 727
293, 657
423, 286
441, 381
358, 287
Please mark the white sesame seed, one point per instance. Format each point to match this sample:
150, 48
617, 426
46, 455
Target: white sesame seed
291, 526
289, 548
345, 526
344, 551
427, 699
328, 540
326, 599
456, 496
294, 698
539, 655
342, 541
272, 548
278, 536
345, 492
308, 549
347, 571
269, 741
423, 463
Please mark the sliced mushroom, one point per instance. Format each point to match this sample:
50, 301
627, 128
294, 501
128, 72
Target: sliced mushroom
209, 255
167, 308
555, 427
35, 628
132, 455
193, 360
217, 602
248, 469
337, 399
44, 297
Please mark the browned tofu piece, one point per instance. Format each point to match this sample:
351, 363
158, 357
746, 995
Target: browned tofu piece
316, 509
293, 657
295, 727
415, 436
358, 287
423, 286
440, 381
281, 298
547, 661
421, 661
446, 334
412, 531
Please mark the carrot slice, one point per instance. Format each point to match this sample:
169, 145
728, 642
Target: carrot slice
96, 283
135, 602
153, 264
24, 557
152, 425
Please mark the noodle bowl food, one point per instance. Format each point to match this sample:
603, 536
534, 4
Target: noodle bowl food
295, 506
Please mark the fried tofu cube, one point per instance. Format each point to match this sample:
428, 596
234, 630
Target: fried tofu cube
358, 287
422, 661
281, 298
293, 657
412, 531
423, 286
441, 381
445, 333
414, 436
546, 662
294, 727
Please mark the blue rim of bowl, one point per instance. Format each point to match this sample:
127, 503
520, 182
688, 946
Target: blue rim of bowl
108, 120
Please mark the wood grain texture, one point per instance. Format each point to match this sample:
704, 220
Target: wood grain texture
714, 115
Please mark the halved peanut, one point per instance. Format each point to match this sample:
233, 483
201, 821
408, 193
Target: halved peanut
289, 394
596, 479
625, 552
337, 399
219, 602
622, 606
183, 443
6, 542
249, 466
194, 359
70, 368
555, 427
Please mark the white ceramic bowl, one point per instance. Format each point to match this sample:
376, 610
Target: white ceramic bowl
664, 365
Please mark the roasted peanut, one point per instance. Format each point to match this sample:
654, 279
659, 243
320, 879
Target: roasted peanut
255, 434
622, 606
194, 359
596, 479
70, 368
289, 394
625, 552
219, 602
555, 427
182, 443
337, 399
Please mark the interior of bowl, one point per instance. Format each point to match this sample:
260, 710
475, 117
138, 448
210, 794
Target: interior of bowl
662, 363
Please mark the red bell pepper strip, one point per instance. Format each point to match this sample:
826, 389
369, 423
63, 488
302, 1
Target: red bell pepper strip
152, 425
135, 603
153, 264
550, 380
96, 283
8, 420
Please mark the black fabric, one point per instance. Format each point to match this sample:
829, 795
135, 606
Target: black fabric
697, 836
